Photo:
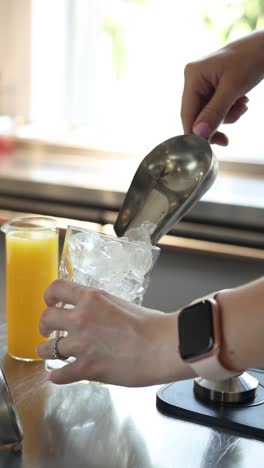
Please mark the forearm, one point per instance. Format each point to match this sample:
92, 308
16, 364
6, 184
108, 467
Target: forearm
252, 52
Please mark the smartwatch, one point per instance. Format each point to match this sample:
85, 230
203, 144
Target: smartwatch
200, 339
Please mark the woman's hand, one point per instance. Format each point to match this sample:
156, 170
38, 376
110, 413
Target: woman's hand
215, 87
112, 340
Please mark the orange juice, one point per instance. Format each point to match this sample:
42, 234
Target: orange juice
31, 265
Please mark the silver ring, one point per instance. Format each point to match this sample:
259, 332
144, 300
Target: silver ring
56, 354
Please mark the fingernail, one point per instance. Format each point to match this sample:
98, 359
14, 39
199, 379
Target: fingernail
48, 375
202, 129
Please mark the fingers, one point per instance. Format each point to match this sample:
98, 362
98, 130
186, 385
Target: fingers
215, 112
234, 114
190, 108
219, 138
204, 107
67, 374
62, 290
65, 347
237, 110
54, 318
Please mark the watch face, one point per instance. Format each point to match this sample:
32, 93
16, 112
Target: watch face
196, 330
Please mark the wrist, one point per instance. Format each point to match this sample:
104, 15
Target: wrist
242, 317
228, 355
167, 360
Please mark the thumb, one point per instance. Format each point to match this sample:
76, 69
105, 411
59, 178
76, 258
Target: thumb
214, 112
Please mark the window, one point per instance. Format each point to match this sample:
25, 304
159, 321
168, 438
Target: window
112, 70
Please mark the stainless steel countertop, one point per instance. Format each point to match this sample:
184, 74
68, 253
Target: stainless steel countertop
100, 426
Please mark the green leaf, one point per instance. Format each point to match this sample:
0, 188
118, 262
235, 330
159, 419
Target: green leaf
245, 16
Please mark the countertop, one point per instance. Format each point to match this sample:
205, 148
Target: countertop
100, 426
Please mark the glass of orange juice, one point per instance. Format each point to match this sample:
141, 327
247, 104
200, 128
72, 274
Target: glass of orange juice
32, 251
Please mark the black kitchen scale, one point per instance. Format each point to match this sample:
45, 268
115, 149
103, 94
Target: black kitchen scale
245, 417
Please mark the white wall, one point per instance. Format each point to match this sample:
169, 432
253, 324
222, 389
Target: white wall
15, 57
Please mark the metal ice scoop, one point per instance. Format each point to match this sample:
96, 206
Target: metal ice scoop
167, 183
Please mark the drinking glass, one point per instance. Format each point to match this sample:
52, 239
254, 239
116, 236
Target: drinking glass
32, 253
116, 265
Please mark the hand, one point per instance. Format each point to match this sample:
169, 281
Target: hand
215, 87
113, 341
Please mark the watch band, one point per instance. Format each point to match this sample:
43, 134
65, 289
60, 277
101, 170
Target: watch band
211, 368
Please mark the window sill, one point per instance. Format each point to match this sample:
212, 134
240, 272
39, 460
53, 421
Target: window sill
239, 183
91, 143
91, 182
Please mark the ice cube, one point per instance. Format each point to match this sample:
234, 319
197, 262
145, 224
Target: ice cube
129, 288
141, 233
118, 266
118, 259
84, 279
83, 249
140, 249
84, 240
139, 258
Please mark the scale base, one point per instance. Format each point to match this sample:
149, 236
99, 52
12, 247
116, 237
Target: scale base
235, 390
245, 419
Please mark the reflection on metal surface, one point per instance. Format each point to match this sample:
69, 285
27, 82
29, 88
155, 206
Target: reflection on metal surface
168, 182
10, 425
223, 451
83, 421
